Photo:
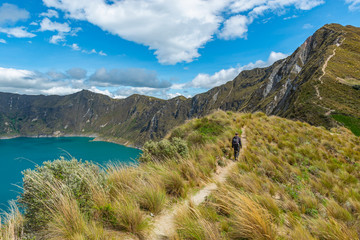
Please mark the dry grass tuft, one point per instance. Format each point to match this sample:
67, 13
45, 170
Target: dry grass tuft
248, 218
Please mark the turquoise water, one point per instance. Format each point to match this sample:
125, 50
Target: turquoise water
19, 154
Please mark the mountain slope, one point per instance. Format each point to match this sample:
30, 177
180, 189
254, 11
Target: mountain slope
319, 80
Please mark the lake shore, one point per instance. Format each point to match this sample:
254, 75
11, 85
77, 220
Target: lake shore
96, 138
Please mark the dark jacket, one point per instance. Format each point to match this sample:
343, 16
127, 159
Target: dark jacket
234, 140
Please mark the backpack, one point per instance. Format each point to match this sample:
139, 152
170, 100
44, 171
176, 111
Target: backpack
236, 141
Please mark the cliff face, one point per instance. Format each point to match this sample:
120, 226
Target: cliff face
317, 80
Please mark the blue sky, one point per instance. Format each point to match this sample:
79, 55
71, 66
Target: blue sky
161, 48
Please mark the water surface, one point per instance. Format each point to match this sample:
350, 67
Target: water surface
19, 154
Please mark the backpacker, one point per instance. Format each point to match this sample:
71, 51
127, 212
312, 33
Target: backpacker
236, 141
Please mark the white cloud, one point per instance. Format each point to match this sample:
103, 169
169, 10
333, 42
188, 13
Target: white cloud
104, 92
18, 32
124, 92
290, 17
50, 13
47, 25
61, 36
60, 90
308, 26
208, 81
102, 53
55, 39
93, 51
2, 40
77, 73
174, 29
73, 80
10, 13
75, 47
134, 77
31, 82
235, 27
354, 4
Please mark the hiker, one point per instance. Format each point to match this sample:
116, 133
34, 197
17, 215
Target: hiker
236, 145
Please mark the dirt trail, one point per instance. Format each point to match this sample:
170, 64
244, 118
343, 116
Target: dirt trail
329, 110
164, 224
338, 44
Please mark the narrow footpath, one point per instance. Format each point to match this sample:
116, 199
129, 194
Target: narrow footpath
164, 224
323, 69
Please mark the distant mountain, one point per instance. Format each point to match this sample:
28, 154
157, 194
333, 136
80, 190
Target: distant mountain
319, 83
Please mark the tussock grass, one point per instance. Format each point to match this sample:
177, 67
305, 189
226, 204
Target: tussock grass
330, 229
151, 197
12, 223
192, 225
249, 220
128, 216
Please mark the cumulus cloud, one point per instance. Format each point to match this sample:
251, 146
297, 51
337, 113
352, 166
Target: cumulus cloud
75, 47
55, 75
353, 4
128, 77
124, 92
30, 82
18, 32
2, 41
208, 81
47, 25
120, 82
174, 29
235, 27
77, 73
55, 39
11, 14
50, 14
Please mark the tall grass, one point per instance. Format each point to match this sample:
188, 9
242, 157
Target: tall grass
193, 226
12, 223
249, 220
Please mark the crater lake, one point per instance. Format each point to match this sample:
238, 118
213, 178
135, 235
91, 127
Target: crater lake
22, 153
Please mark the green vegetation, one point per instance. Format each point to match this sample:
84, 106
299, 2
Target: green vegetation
350, 122
293, 181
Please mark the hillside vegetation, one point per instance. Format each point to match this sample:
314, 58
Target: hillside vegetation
293, 181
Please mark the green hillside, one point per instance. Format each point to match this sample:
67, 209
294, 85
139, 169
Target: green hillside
293, 181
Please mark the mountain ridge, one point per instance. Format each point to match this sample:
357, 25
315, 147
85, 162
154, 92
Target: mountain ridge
288, 88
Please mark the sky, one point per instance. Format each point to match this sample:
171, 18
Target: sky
160, 48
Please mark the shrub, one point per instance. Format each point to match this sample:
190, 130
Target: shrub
40, 184
163, 150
